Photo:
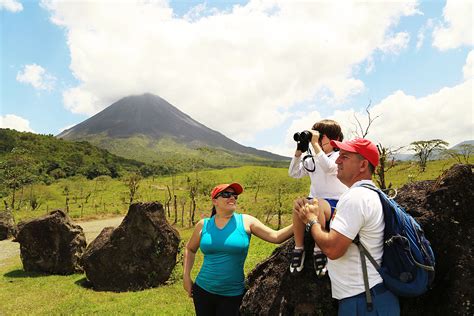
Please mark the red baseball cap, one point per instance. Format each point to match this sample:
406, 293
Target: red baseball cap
362, 146
221, 187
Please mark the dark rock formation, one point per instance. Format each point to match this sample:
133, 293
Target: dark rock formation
51, 244
443, 207
273, 290
139, 254
7, 225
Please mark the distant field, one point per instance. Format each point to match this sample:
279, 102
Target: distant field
265, 188
104, 196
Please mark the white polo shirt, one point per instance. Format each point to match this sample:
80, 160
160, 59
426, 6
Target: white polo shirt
324, 181
359, 211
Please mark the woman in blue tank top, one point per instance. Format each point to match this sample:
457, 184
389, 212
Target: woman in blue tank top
224, 240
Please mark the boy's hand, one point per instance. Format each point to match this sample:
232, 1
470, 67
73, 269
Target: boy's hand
315, 137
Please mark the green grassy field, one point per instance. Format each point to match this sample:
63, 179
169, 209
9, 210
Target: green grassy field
24, 293
104, 196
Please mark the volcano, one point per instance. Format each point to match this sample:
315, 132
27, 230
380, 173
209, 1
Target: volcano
153, 119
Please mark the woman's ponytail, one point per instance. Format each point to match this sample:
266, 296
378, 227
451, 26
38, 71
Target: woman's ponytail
213, 211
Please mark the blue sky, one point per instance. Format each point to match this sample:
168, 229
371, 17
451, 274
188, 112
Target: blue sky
276, 67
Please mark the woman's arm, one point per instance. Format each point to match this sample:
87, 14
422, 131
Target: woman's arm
189, 254
259, 229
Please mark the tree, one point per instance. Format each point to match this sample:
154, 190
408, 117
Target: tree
95, 170
168, 201
256, 180
17, 171
424, 149
133, 183
386, 154
462, 155
193, 190
182, 201
363, 131
386, 162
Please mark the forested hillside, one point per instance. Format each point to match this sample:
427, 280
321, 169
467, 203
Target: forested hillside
27, 157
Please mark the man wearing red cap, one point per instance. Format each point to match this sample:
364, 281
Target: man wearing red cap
358, 213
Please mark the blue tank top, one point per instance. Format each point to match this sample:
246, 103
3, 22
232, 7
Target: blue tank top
225, 251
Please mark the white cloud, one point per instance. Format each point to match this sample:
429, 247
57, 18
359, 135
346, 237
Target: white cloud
400, 119
468, 67
11, 5
457, 27
446, 114
36, 76
421, 33
79, 101
15, 122
396, 43
255, 61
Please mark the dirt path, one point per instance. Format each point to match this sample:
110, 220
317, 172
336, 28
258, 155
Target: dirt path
91, 229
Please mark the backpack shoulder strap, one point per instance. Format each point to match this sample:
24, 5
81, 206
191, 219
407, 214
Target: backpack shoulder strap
371, 187
382, 194
364, 253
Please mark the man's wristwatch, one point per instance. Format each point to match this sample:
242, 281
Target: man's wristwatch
310, 224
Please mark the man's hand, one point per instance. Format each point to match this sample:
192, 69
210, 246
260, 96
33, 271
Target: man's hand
306, 210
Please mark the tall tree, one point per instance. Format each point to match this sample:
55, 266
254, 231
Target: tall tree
17, 171
424, 149
193, 186
386, 162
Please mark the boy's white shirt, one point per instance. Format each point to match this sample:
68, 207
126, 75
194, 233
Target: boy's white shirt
324, 181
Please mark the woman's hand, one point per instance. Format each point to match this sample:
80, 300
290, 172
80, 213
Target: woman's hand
188, 285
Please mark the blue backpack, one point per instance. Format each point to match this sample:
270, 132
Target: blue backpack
408, 261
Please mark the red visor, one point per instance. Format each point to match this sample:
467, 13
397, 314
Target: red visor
222, 187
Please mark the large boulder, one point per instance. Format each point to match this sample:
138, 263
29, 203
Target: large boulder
443, 207
139, 254
7, 225
273, 290
51, 244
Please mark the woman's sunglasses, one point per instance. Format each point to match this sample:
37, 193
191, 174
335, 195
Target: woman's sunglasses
227, 195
